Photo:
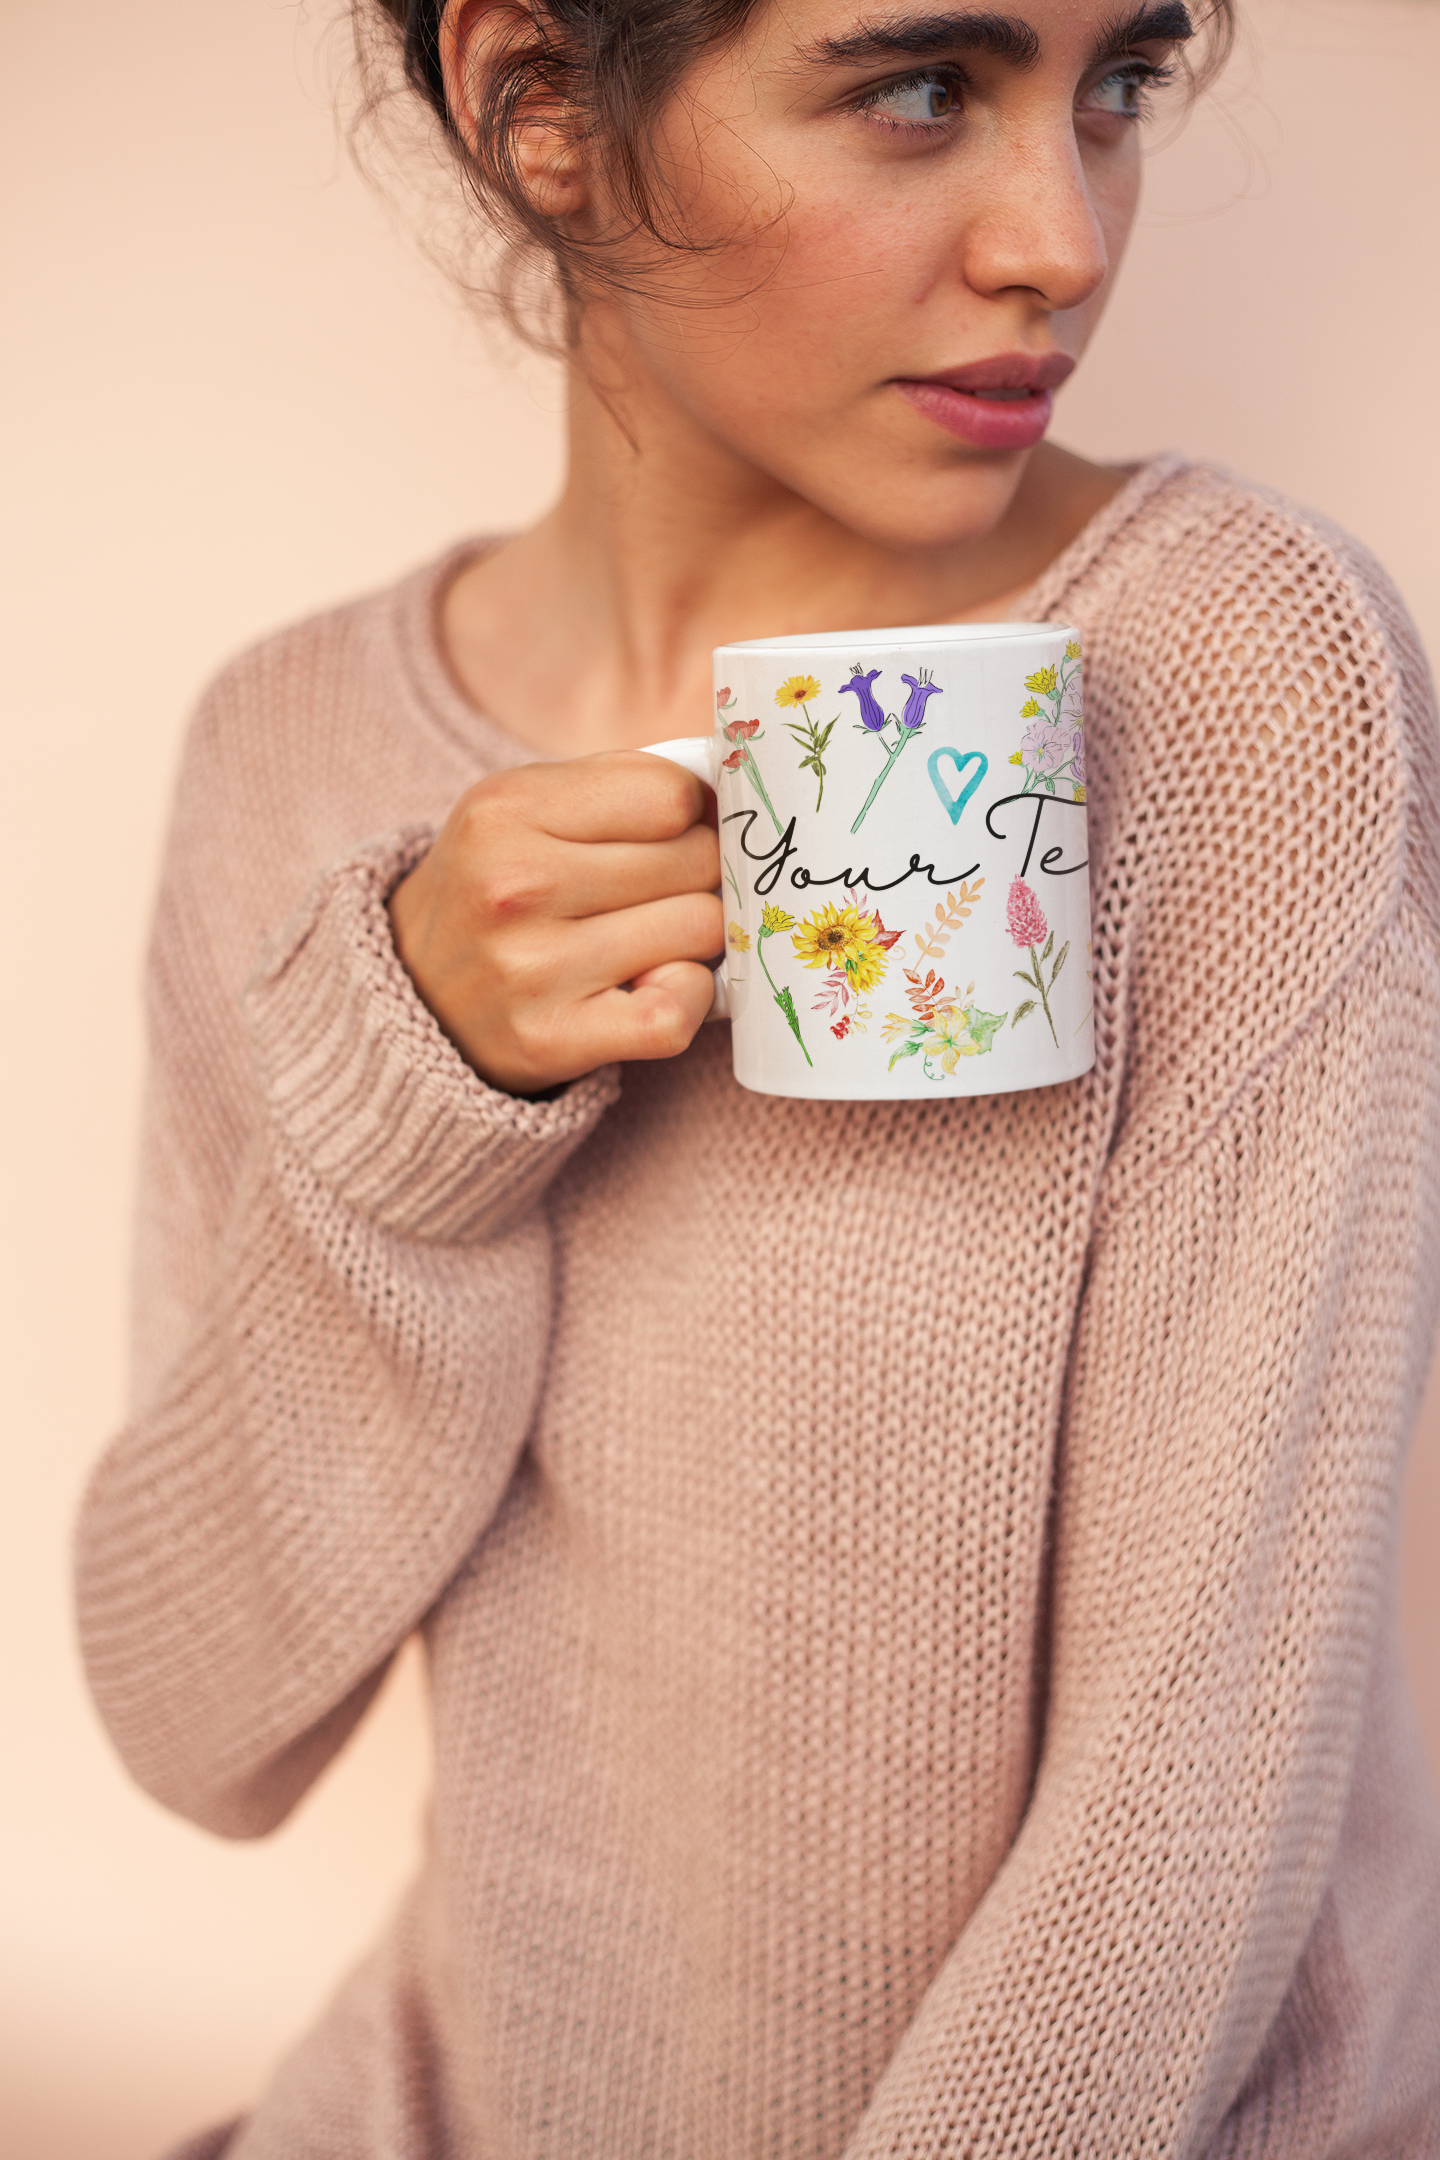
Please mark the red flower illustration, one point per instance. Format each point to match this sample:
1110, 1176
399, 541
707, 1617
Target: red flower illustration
884, 938
741, 732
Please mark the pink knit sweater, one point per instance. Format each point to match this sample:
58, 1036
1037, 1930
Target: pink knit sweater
908, 1587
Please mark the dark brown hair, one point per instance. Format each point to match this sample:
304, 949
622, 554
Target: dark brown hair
610, 66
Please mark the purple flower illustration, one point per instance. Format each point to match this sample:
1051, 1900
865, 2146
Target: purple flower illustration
1045, 747
871, 716
907, 725
921, 690
1053, 749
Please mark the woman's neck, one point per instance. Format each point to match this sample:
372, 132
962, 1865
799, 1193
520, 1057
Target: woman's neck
593, 631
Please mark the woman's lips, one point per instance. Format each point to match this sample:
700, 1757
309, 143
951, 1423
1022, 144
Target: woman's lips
1000, 403
994, 420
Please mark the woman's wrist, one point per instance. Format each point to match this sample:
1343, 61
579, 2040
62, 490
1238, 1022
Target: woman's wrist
368, 1092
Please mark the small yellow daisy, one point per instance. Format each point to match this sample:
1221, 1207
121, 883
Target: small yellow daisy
797, 690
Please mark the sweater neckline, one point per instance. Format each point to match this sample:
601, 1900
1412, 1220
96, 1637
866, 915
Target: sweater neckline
435, 690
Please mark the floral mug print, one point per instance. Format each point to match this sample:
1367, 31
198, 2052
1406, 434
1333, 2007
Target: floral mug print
903, 842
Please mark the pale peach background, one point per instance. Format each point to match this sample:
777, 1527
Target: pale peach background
233, 395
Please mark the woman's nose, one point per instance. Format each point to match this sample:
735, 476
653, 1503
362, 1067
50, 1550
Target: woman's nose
1036, 226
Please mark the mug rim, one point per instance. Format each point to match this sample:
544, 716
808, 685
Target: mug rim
897, 635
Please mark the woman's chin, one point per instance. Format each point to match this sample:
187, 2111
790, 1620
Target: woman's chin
909, 512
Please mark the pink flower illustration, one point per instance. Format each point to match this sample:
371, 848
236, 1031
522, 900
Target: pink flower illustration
1077, 764
1025, 920
736, 759
1023, 917
741, 730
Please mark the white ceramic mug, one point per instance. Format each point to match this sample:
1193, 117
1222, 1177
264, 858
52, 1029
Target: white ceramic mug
902, 838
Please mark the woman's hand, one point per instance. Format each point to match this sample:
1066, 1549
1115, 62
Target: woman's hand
549, 888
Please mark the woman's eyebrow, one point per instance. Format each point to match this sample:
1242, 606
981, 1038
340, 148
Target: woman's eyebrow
1168, 22
1005, 37
931, 37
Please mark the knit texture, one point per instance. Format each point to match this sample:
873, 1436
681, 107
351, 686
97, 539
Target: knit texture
908, 1587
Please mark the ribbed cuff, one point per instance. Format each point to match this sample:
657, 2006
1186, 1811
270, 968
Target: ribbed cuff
369, 1092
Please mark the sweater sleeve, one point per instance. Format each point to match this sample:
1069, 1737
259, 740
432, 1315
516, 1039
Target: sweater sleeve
1250, 1352
347, 1280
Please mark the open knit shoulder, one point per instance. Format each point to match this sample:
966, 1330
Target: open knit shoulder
1263, 756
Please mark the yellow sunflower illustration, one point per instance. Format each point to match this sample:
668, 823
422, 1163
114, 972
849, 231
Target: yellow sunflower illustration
797, 690
831, 937
739, 938
868, 966
842, 938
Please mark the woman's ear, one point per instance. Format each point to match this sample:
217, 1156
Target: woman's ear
477, 38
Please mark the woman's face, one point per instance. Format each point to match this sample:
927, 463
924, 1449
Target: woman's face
908, 219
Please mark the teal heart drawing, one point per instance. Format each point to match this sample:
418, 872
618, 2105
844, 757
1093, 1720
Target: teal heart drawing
954, 804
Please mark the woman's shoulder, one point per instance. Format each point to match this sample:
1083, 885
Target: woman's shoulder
337, 730
1261, 744
341, 695
1251, 668
1233, 565
1239, 576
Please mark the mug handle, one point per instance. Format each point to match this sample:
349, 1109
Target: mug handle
699, 755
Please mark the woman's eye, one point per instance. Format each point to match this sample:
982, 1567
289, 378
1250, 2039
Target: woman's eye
920, 101
1123, 92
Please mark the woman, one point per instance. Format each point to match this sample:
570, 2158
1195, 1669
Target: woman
907, 1589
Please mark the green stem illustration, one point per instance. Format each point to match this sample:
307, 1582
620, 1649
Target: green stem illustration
754, 771
906, 735
1040, 986
1034, 780
783, 999
814, 741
